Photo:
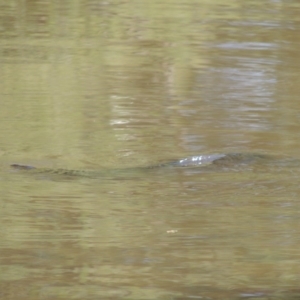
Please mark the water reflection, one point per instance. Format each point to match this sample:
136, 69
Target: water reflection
105, 84
157, 233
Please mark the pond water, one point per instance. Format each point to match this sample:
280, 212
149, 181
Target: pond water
114, 84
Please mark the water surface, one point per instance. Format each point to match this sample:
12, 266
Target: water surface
110, 84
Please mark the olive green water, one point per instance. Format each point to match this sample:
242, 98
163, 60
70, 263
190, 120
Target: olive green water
113, 84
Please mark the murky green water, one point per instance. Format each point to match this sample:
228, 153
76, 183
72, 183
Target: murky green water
114, 84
